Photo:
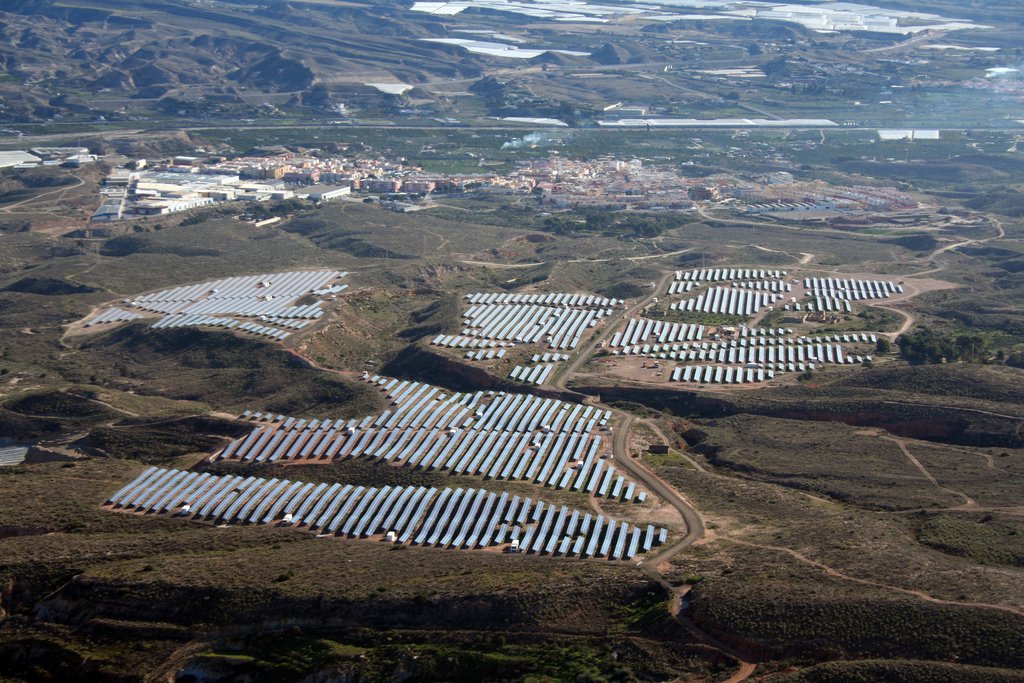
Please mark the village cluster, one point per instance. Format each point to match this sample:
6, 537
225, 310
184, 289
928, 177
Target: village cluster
139, 189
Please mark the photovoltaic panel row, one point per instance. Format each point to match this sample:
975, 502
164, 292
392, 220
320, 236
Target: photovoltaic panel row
780, 353
710, 374
288, 285
268, 299
559, 461
728, 274
558, 320
848, 288
501, 410
112, 314
495, 435
558, 327
679, 287
449, 518
639, 330
728, 301
830, 303
779, 337
457, 341
535, 374
551, 299
486, 354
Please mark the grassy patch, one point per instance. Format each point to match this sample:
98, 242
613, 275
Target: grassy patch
985, 541
811, 617
672, 458
900, 671
220, 370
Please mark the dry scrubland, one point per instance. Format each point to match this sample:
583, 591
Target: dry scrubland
863, 524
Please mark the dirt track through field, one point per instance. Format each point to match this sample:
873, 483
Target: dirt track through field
62, 189
968, 501
835, 573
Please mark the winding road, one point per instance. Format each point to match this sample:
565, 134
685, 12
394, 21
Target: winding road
620, 442
694, 523
695, 529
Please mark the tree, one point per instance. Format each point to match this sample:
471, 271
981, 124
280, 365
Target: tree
926, 346
883, 345
971, 347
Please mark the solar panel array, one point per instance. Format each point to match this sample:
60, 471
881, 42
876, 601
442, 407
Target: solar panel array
262, 304
677, 286
747, 354
762, 350
761, 357
537, 374
711, 374
745, 331
640, 330
486, 354
502, 319
112, 315
550, 299
495, 435
729, 301
768, 280
834, 294
829, 303
851, 289
448, 517
457, 341
743, 292
727, 274
12, 455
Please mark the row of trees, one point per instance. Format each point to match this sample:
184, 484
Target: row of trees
926, 346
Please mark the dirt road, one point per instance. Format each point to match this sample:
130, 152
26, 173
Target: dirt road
585, 354
63, 188
695, 529
968, 501
835, 573
620, 442
694, 523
